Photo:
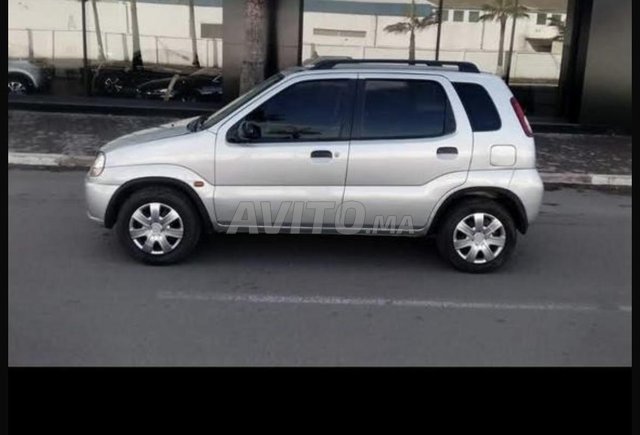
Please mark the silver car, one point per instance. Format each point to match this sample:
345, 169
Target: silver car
341, 146
28, 75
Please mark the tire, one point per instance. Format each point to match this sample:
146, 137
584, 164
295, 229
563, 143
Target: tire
110, 85
189, 98
489, 253
19, 85
163, 245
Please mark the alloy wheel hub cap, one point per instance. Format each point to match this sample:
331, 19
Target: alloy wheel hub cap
156, 228
479, 238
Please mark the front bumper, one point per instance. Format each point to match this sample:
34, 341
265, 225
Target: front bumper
98, 196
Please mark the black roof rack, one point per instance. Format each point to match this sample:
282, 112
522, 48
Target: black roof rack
330, 63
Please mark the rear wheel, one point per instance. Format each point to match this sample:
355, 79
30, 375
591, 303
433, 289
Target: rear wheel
477, 235
158, 226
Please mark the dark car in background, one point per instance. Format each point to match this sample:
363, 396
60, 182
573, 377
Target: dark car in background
122, 80
29, 75
203, 85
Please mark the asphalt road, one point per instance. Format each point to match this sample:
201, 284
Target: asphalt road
75, 298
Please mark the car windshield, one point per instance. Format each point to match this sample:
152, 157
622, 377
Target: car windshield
241, 100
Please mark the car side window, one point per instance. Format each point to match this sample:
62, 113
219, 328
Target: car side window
307, 111
479, 106
397, 109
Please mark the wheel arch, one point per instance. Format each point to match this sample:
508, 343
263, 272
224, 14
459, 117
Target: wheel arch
24, 75
503, 196
128, 188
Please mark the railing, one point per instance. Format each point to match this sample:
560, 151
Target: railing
66, 45
525, 66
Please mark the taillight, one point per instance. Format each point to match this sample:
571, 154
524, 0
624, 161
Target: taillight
524, 122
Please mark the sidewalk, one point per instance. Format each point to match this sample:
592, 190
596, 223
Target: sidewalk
72, 139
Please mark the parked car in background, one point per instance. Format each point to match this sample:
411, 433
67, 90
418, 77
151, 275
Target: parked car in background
121, 80
204, 85
29, 75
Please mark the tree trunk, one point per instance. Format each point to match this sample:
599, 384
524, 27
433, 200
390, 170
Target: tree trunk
96, 20
503, 28
412, 45
255, 44
136, 61
192, 32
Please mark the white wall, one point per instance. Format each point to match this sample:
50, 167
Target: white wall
56, 28
475, 42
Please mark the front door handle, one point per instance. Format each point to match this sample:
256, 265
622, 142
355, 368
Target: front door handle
447, 150
319, 154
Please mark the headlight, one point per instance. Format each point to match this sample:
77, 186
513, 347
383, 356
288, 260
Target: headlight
98, 165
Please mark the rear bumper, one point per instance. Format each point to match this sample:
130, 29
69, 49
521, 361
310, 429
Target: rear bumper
528, 187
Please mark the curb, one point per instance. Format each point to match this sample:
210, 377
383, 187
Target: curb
65, 161
586, 179
56, 160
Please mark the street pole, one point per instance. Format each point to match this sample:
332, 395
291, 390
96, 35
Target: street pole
85, 61
513, 33
439, 30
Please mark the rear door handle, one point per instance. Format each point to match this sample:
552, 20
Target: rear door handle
319, 154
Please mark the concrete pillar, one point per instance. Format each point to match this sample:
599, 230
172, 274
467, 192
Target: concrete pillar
285, 40
606, 92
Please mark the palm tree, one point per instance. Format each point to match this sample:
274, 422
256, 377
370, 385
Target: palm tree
136, 61
560, 25
255, 44
192, 31
501, 10
410, 25
101, 56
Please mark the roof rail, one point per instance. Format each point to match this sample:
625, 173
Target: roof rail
330, 63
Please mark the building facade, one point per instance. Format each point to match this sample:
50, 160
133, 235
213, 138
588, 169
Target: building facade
122, 48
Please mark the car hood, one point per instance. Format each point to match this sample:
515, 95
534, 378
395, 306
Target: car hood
164, 131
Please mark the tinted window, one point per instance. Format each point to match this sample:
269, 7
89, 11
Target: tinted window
404, 109
313, 110
479, 106
541, 19
474, 16
458, 15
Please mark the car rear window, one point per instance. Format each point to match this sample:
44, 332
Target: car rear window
479, 106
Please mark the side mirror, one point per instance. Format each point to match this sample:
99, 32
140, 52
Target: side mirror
248, 131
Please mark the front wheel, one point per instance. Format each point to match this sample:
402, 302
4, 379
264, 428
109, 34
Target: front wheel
477, 235
158, 226
18, 85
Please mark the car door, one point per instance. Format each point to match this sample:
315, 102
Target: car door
411, 143
282, 161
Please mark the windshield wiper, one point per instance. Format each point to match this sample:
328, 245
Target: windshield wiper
197, 123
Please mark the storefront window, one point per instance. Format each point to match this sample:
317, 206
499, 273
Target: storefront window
161, 50
45, 47
166, 50
477, 31
369, 29
532, 70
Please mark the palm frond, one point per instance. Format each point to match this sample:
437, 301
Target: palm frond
401, 27
427, 21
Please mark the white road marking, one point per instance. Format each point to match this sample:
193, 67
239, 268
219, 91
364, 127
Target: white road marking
421, 303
